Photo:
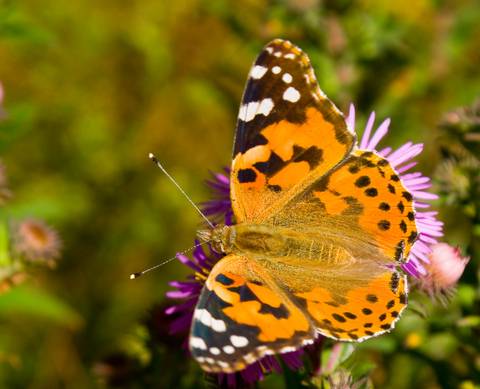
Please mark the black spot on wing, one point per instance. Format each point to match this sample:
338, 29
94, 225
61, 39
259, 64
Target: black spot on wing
412, 237
280, 312
313, 155
244, 292
371, 192
246, 175
362, 181
272, 166
224, 280
372, 298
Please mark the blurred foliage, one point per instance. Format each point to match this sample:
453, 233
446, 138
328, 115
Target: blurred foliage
92, 87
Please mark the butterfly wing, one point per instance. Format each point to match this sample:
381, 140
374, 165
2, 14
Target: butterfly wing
365, 218
287, 130
243, 315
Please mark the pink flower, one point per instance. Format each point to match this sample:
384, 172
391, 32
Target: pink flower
444, 270
34, 241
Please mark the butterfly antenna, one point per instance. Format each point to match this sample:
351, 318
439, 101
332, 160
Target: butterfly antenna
136, 275
159, 165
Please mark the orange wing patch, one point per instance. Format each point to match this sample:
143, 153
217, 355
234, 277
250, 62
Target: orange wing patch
363, 312
367, 188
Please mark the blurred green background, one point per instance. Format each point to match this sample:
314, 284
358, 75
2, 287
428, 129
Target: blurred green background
92, 87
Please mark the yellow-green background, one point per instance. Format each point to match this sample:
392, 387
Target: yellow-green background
91, 87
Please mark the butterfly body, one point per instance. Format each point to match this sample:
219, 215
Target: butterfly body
321, 227
265, 243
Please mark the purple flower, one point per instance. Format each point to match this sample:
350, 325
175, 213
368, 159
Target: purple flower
428, 227
219, 209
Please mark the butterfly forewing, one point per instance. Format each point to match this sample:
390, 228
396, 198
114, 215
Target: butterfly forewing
287, 129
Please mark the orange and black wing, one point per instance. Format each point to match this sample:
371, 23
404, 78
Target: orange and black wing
287, 129
365, 220
243, 315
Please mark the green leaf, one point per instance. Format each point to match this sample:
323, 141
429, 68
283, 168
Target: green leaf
5, 259
27, 300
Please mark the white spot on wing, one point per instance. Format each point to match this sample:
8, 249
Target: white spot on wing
198, 343
223, 364
289, 56
287, 349
269, 49
276, 69
215, 350
238, 341
204, 317
291, 94
229, 349
258, 72
287, 77
277, 54
254, 108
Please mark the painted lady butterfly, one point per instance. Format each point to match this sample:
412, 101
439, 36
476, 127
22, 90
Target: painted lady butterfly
322, 227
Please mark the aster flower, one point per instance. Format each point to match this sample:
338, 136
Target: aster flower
444, 270
34, 241
219, 209
428, 227
220, 206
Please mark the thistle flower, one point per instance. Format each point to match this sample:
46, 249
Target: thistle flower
428, 227
219, 208
34, 241
444, 270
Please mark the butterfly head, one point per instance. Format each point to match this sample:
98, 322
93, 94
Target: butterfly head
220, 237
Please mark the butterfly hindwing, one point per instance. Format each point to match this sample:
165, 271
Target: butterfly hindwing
362, 204
243, 315
287, 129
365, 218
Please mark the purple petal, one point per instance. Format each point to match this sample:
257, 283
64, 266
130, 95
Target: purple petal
368, 130
379, 134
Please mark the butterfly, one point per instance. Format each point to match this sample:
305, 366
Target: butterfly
321, 230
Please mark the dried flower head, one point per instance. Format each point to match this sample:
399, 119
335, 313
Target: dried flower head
444, 270
342, 379
34, 241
